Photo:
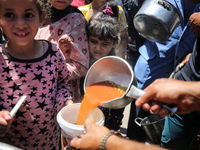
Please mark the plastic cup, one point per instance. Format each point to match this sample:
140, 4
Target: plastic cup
67, 119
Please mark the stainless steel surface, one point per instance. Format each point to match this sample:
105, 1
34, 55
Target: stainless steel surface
117, 70
112, 68
156, 20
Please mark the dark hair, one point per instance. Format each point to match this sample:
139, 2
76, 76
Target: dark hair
103, 25
42, 6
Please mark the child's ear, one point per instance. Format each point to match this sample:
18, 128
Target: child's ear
42, 18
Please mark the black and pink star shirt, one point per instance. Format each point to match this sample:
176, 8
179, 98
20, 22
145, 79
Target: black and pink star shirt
45, 81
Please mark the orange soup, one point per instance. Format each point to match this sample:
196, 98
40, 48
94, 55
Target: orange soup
95, 95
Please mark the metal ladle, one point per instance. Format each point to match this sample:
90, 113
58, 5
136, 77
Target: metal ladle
117, 70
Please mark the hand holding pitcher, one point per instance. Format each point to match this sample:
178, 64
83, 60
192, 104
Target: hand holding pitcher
174, 92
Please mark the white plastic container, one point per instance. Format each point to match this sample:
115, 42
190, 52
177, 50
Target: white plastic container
67, 119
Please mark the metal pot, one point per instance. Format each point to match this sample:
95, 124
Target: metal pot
153, 126
117, 70
156, 20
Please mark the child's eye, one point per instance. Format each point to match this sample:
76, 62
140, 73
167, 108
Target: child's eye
93, 41
105, 44
29, 15
9, 15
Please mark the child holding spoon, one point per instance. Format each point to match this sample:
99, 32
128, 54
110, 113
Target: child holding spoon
35, 68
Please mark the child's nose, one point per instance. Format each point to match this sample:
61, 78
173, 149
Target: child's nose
98, 46
20, 23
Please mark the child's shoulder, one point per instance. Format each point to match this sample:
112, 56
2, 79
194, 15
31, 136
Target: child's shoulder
73, 17
51, 45
53, 49
76, 14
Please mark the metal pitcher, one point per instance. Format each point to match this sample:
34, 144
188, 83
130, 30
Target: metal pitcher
153, 126
117, 70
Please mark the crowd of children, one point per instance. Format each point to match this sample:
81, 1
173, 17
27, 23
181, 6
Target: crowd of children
46, 49
44, 57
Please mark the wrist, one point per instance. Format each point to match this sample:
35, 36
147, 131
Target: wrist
107, 136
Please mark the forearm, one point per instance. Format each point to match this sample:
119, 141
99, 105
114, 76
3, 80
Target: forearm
118, 143
192, 99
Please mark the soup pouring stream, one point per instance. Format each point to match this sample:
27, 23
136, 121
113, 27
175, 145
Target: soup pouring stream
117, 70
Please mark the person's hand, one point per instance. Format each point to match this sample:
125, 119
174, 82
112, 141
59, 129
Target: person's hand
92, 138
169, 91
5, 122
195, 23
69, 102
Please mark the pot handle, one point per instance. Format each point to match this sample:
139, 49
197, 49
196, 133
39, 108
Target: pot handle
136, 121
165, 5
135, 92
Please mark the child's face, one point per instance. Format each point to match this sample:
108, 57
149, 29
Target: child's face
60, 4
98, 48
19, 20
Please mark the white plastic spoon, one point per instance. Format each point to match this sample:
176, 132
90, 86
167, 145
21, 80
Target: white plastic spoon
17, 106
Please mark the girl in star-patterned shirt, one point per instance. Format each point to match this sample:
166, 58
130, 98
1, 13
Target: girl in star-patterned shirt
35, 68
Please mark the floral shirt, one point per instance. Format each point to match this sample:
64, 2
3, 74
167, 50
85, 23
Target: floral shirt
45, 82
70, 35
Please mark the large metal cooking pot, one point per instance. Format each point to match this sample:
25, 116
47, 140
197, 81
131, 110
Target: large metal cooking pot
156, 20
117, 70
